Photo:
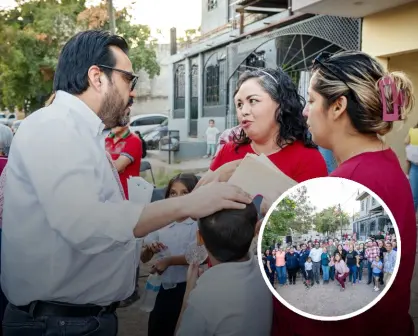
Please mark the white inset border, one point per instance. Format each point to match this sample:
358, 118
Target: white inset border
329, 318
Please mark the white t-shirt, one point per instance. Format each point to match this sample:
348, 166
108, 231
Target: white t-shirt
177, 237
211, 134
230, 299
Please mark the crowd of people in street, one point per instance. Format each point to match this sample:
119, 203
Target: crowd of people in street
321, 262
71, 239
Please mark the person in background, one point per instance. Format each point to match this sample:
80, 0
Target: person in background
329, 159
292, 265
309, 273
325, 259
331, 248
377, 267
230, 298
125, 148
303, 256
341, 270
281, 266
389, 262
352, 260
315, 255
6, 137
172, 266
362, 260
269, 266
411, 142
228, 136
211, 135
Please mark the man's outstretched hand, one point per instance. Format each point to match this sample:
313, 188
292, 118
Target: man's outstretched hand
213, 197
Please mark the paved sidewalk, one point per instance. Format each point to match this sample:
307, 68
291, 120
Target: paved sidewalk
316, 299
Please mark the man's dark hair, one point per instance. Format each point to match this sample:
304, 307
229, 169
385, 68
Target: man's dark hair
228, 234
83, 50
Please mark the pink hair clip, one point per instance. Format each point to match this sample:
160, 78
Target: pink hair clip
398, 99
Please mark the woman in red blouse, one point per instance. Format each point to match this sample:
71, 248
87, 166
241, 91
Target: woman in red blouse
352, 102
269, 110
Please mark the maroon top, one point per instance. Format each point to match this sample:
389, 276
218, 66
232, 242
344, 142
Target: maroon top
381, 173
3, 161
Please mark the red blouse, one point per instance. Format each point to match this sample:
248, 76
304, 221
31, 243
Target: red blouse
296, 161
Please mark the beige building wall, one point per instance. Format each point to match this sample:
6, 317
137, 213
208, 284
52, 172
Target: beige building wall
392, 37
391, 32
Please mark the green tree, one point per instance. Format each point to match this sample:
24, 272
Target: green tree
277, 224
33, 34
328, 221
189, 36
302, 222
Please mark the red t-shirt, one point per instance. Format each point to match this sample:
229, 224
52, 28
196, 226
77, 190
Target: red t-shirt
381, 173
131, 147
296, 161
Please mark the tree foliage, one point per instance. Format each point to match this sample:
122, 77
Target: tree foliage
33, 34
329, 220
294, 212
189, 36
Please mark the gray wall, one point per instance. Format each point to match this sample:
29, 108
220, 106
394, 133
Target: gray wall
153, 94
214, 18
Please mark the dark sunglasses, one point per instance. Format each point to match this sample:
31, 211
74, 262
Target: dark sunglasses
129, 75
321, 59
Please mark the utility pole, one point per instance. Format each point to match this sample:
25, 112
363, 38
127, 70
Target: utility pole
341, 219
111, 14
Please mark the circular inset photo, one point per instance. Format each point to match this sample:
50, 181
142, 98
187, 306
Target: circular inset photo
329, 249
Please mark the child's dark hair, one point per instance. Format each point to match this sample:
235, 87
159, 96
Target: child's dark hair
228, 234
211, 120
189, 180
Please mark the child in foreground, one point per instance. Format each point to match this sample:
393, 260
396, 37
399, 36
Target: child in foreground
231, 297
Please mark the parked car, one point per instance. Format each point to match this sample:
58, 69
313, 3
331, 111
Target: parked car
153, 136
16, 125
162, 127
7, 119
144, 122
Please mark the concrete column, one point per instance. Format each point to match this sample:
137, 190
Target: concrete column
200, 85
187, 96
171, 89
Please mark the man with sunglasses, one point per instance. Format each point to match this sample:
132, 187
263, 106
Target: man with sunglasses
69, 247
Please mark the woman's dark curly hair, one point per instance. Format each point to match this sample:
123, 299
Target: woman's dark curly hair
283, 91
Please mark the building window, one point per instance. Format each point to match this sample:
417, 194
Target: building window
373, 201
212, 85
212, 4
215, 84
362, 205
179, 87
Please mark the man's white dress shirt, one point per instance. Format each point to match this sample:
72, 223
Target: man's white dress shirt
67, 233
316, 254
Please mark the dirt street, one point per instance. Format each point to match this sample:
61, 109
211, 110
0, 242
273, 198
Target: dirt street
132, 320
323, 300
